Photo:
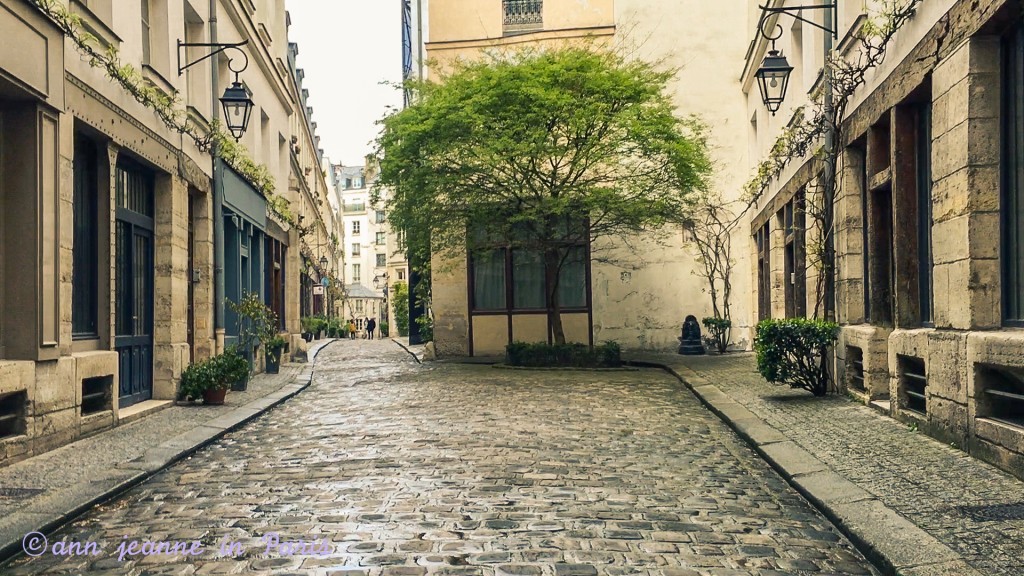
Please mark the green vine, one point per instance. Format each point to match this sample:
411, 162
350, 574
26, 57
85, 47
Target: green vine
167, 107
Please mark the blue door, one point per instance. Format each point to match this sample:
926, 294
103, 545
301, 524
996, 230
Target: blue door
134, 285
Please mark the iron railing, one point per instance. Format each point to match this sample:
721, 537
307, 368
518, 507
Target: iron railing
354, 208
523, 15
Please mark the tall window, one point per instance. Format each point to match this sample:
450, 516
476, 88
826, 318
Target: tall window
356, 249
795, 262
147, 33
381, 239
764, 272
85, 275
356, 273
381, 217
508, 278
1013, 177
382, 260
924, 210
355, 227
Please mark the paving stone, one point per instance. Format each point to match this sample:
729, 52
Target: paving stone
406, 470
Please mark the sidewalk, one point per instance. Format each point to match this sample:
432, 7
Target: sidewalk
913, 505
43, 492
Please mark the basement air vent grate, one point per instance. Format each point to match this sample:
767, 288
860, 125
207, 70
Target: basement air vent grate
855, 363
12, 414
1004, 394
96, 394
913, 383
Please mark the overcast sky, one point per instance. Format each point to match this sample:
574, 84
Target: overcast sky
347, 48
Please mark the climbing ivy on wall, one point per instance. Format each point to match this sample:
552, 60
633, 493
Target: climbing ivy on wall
167, 107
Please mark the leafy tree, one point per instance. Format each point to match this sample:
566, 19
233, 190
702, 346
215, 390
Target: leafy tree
400, 296
542, 151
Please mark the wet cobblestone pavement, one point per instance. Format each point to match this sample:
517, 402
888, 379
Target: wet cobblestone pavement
399, 469
968, 505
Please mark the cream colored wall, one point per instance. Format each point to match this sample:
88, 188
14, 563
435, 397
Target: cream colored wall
645, 307
458, 20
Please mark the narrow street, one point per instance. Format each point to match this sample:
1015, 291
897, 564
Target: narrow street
398, 468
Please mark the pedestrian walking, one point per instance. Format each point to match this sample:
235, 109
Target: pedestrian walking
370, 325
351, 329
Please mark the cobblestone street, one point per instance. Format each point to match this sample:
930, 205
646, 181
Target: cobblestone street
405, 469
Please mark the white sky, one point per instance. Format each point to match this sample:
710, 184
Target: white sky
347, 48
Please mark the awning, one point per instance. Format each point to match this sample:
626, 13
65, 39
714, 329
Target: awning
242, 198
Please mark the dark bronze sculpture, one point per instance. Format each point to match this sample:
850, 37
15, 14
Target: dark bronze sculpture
690, 343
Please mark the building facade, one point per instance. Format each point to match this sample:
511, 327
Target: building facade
637, 298
109, 215
928, 220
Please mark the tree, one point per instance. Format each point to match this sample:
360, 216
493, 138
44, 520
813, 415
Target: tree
711, 226
540, 151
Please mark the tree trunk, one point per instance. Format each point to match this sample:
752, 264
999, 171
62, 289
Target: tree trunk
552, 261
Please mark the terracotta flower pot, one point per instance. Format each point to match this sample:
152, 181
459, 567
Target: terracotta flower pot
214, 397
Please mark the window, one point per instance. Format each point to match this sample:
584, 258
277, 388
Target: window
401, 274
523, 15
147, 33
359, 182
356, 249
795, 266
1013, 178
924, 210
355, 227
381, 239
382, 260
381, 217
506, 278
880, 247
764, 271
359, 309
356, 277
85, 257
348, 183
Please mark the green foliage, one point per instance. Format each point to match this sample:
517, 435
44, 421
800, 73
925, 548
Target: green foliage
718, 328
795, 351
426, 324
607, 355
400, 296
257, 323
232, 365
383, 329
526, 145
217, 373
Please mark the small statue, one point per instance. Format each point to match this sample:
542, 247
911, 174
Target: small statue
690, 343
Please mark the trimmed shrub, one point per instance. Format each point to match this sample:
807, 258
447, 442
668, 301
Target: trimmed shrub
540, 355
794, 351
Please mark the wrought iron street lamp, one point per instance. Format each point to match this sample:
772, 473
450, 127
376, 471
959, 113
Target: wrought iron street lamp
237, 101
773, 80
323, 263
773, 75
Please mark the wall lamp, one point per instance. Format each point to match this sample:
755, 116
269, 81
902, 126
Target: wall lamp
237, 101
773, 75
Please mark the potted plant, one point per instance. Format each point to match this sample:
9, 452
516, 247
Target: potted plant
257, 325
206, 380
273, 349
308, 324
235, 368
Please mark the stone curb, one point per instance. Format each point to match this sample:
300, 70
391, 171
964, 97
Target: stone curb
51, 512
892, 543
406, 348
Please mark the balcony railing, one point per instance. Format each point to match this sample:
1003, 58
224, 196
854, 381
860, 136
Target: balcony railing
523, 15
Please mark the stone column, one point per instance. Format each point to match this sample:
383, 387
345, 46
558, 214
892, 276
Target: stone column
965, 194
170, 303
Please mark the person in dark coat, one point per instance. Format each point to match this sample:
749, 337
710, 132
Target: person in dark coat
371, 324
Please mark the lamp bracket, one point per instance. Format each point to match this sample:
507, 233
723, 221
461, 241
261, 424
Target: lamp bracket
794, 11
219, 48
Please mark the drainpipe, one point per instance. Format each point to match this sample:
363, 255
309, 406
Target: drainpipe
830, 174
218, 203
